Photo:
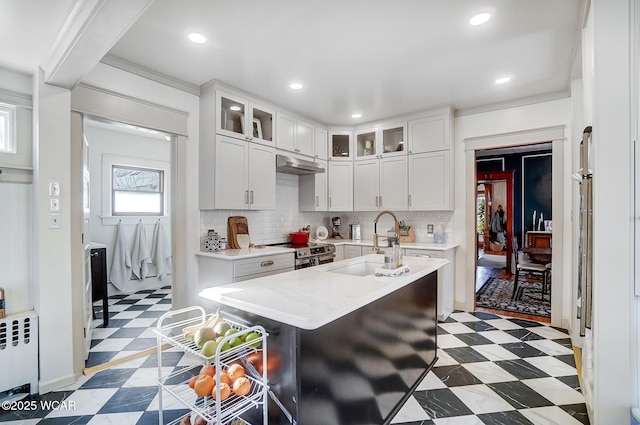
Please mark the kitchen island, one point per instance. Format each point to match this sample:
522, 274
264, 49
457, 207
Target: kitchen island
345, 346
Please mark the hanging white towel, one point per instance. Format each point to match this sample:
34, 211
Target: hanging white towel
140, 257
161, 251
121, 264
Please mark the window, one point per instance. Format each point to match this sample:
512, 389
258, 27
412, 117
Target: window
7, 125
137, 191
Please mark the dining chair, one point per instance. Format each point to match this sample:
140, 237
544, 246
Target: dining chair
532, 271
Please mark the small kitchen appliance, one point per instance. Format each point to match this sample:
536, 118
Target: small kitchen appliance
336, 222
355, 231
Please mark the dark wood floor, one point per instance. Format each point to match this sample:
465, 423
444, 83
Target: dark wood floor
483, 274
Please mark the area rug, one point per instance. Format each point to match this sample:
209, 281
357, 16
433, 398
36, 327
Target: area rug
493, 261
496, 293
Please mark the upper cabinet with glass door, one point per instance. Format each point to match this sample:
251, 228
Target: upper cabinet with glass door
387, 140
242, 119
340, 145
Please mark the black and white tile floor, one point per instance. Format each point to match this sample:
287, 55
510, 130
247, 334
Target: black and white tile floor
491, 370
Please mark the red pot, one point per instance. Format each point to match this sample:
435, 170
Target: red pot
299, 237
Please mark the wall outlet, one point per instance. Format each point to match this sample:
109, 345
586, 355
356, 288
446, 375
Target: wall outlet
430, 229
54, 189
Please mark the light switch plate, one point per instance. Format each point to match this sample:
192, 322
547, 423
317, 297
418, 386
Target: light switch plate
430, 228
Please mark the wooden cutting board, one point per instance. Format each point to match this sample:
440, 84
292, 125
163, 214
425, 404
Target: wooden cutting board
238, 232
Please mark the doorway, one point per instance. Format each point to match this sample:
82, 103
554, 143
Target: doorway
502, 197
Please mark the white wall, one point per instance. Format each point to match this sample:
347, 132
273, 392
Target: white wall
106, 142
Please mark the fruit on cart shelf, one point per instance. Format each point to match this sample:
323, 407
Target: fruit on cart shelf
190, 331
235, 371
225, 391
253, 336
204, 385
221, 327
241, 386
209, 349
203, 335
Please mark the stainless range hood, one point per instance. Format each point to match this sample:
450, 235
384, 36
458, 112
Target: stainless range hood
291, 165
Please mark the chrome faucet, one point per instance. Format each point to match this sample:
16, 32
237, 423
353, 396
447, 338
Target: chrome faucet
376, 248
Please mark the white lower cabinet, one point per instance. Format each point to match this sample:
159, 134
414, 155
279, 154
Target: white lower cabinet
214, 270
352, 251
339, 253
430, 182
445, 277
340, 186
245, 175
380, 184
176, 384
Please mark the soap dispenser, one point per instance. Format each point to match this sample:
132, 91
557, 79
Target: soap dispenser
399, 257
389, 256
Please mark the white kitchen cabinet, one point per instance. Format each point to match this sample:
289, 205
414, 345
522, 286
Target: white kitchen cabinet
216, 269
366, 144
321, 143
240, 118
286, 130
380, 184
430, 134
305, 138
295, 135
339, 253
445, 277
430, 181
312, 190
245, 175
340, 145
384, 141
340, 187
352, 251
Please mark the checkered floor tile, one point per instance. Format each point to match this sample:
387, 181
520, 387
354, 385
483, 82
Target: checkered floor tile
491, 370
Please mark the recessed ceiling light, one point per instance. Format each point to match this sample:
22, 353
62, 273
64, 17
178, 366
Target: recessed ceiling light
356, 115
503, 80
197, 38
295, 86
235, 108
480, 18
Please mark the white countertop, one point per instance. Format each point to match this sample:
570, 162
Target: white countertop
238, 254
312, 297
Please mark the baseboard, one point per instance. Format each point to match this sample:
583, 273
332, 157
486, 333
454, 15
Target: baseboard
55, 384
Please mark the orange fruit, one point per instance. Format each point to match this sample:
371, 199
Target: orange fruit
208, 370
241, 386
225, 391
192, 381
224, 378
235, 371
203, 385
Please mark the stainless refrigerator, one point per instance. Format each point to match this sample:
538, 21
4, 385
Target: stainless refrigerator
585, 242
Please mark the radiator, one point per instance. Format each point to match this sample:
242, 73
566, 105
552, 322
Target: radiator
19, 351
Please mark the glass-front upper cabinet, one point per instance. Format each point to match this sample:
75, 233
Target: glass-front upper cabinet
387, 140
340, 145
242, 119
394, 139
367, 144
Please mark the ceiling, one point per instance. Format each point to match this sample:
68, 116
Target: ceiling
380, 58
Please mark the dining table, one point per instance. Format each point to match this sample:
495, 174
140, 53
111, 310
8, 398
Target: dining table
538, 254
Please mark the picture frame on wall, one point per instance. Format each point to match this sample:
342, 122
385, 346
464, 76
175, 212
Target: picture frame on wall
257, 128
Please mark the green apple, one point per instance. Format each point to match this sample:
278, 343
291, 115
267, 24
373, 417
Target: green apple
209, 348
203, 335
235, 341
230, 331
225, 345
253, 336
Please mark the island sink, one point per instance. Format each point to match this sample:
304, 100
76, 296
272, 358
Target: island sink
363, 268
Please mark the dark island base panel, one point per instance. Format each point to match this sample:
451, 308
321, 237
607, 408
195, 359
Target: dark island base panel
358, 369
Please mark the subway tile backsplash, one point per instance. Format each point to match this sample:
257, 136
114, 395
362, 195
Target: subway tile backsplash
270, 227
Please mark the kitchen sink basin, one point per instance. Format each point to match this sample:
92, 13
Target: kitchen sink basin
363, 268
